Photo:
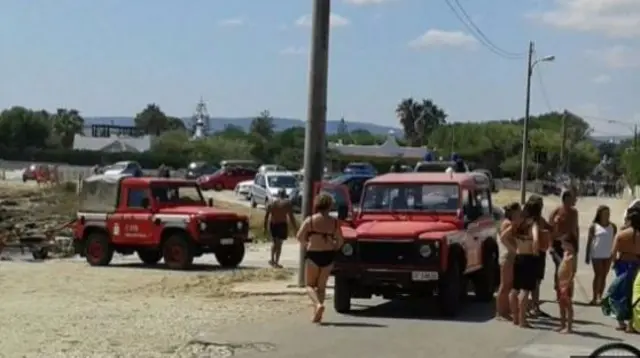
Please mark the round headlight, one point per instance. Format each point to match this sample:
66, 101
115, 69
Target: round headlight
239, 225
425, 251
203, 226
347, 250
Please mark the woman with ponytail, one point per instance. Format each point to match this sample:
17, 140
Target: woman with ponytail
623, 294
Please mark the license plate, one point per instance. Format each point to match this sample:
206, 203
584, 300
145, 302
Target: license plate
424, 276
226, 242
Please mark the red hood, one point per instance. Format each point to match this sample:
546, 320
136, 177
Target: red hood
204, 211
390, 229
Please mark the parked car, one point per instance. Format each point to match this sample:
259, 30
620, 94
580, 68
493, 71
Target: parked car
271, 168
30, 172
267, 185
238, 163
441, 167
244, 189
353, 182
360, 168
124, 168
197, 169
226, 178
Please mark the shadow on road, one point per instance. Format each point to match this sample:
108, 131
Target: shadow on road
196, 267
426, 309
353, 324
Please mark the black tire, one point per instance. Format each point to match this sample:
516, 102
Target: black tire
218, 187
450, 289
40, 254
230, 256
150, 256
24, 179
484, 281
341, 295
178, 252
605, 350
98, 249
253, 203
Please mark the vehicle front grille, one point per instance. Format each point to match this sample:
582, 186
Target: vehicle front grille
392, 253
223, 228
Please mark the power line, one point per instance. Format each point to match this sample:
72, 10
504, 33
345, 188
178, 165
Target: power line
543, 90
478, 34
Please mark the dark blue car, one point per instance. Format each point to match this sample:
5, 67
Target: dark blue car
360, 168
353, 182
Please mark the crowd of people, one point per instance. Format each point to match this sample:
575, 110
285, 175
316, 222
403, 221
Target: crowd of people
526, 238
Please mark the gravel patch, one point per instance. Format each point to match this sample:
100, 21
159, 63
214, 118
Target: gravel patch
67, 309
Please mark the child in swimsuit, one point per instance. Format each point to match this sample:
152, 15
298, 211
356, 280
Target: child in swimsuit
566, 275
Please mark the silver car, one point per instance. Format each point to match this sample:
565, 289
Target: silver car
124, 168
267, 185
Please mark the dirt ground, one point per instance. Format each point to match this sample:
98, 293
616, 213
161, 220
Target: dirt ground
65, 308
68, 309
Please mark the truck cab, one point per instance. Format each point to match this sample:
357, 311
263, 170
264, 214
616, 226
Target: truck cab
420, 234
157, 218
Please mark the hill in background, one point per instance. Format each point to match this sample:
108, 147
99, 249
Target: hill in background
219, 123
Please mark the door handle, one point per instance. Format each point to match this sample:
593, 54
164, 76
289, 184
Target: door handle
476, 238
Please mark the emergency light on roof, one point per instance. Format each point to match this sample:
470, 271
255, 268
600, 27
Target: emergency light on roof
428, 157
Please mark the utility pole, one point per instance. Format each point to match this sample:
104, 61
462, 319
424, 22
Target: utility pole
563, 143
314, 142
525, 128
635, 136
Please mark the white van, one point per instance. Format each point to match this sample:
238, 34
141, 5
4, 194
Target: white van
267, 185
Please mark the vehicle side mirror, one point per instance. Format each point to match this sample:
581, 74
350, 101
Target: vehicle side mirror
145, 203
343, 212
210, 202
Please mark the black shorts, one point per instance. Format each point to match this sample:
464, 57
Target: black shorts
525, 272
279, 231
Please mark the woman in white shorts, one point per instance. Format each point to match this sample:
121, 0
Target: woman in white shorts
598, 253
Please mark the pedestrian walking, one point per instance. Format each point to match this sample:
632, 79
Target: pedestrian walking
598, 252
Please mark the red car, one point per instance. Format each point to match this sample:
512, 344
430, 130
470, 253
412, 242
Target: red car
30, 172
226, 178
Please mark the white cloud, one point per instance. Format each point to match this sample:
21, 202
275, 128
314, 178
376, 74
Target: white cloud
615, 18
617, 57
601, 79
294, 51
236, 21
437, 38
335, 20
367, 2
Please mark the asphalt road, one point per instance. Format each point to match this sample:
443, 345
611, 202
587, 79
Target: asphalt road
408, 329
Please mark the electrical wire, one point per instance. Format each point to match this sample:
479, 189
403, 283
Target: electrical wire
462, 15
543, 90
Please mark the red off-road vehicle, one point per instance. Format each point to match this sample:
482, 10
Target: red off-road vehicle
420, 234
159, 218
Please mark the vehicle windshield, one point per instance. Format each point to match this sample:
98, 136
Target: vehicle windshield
282, 181
411, 197
177, 194
117, 166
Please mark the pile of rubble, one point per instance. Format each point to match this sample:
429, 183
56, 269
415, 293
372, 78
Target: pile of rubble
33, 218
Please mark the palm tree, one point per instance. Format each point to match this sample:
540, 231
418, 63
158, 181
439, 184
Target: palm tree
66, 124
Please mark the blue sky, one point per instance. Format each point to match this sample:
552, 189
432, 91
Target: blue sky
112, 57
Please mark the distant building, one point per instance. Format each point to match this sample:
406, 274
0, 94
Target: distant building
389, 149
112, 138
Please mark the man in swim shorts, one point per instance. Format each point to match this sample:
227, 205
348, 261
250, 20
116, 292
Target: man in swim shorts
277, 216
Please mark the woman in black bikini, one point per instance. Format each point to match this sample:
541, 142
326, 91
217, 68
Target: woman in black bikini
321, 235
526, 263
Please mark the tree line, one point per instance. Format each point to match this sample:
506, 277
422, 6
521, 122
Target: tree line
28, 134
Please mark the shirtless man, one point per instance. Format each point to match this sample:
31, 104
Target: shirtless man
564, 220
277, 217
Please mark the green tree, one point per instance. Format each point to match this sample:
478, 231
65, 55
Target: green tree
66, 124
152, 120
262, 126
175, 123
419, 118
232, 131
24, 128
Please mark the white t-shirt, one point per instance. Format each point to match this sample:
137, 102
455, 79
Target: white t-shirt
602, 241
